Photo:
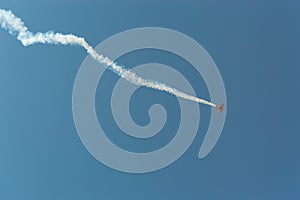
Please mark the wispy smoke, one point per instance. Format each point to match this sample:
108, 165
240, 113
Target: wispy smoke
15, 26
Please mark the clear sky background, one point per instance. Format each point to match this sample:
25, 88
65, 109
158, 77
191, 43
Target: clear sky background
255, 45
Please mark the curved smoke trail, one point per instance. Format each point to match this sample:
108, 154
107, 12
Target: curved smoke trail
15, 26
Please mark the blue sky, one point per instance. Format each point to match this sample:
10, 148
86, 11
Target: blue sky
256, 48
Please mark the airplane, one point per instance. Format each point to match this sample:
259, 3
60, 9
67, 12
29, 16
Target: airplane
221, 108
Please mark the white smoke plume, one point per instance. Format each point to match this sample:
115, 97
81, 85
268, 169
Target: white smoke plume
15, 26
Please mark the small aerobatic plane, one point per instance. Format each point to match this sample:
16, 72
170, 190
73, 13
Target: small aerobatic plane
220, 108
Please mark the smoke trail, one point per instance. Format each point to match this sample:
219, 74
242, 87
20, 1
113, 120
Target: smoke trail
15, 26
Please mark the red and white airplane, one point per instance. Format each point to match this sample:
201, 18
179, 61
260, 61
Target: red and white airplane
220, 108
